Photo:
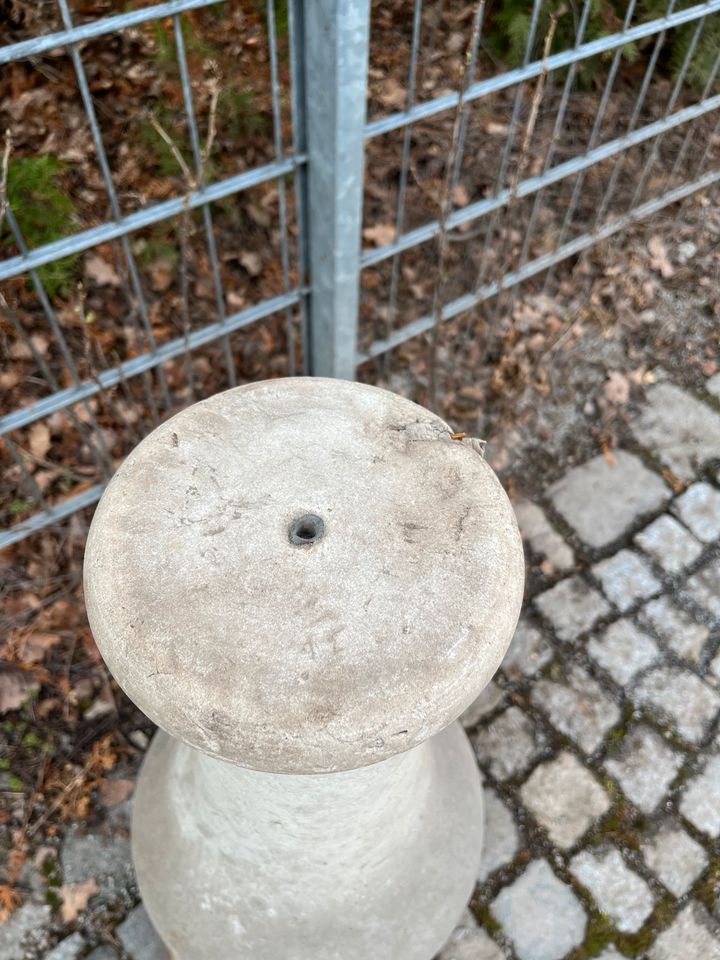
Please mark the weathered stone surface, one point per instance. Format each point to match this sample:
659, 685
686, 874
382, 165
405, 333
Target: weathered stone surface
701, 801
68, 949
699, 509
527, 654
644, 766
564, 798
626, 578
93, 857
682, 431
601, 501
105, 952
508, 744
580, 709
471, 943
491, 697
542, 537
704, 587
619, 892
540, 914
623, 650
669, 544
684, 635
29, 922
691, 936
340, 632
572, 607
681, 698
501, 839
139, 938
674, 857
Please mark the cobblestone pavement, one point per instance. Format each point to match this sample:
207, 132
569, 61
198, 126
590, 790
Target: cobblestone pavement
598, 738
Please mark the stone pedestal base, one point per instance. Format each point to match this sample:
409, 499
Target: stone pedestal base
368, 864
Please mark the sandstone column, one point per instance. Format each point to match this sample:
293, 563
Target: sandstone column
304, 582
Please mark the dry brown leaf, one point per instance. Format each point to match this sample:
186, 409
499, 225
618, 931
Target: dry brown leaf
161, 275
252, 262
15, 688
39, 441
380, 234
75, 898
391, 94
660, 260
460, 195
9, 901
36, 644
113, 792
99, 271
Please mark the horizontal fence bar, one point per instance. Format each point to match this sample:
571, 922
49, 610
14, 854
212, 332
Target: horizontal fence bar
593, 48
562, 171
533, 267
76, 243
52, 515
146, 361
88, 31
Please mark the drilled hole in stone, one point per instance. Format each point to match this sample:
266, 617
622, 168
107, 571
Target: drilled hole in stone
306, 529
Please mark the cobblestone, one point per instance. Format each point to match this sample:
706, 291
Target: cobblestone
674, 857
681, 697
611, 954
701, 802
644, 766
508, 744
471, 943
669, 544
29, 920
540, 914
139, 938
103, 859
691, 936
542, 537
623, 650
681, 431
704, 587
68, 949
601, 501
626, 578
684, 635
572, 607
619, 892
501, 836
699, 509
564, 798
580, 710
491, 697
528, 653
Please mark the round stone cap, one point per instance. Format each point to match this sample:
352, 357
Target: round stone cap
303, 575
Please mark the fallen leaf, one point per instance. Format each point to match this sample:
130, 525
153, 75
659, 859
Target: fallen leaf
9, 901
75, 898
15, 688
616, 388
380, 234
100, 272
252, 262
161, 275
391, 94
113, 792
660, 260
39, 441
460, 195
36, 644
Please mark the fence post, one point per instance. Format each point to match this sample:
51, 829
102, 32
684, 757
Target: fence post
306, 647
335, 52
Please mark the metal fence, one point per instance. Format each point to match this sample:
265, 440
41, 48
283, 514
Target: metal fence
522, 168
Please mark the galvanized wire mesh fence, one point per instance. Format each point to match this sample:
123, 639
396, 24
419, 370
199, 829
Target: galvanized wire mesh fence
241, 255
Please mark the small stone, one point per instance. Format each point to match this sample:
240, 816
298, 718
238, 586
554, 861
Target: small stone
139, 739
542, 537
686, 251
470, 943
689, 937
714, 667
701, 802
626, 578
507, 745
572, 607
645, 766
678, 629
699, 509
683, 432
501, 836
713, 385
619, 892
527, 654
623, 650
680, 697
601, 501
31, 920
103, 859
704, 587
139, 938
105, 952
68, 949
490, 697
540, 914
580, 710
669, 544
564, 798
675, 858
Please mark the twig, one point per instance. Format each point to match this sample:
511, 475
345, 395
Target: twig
180, 159
212, 113
4, 165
